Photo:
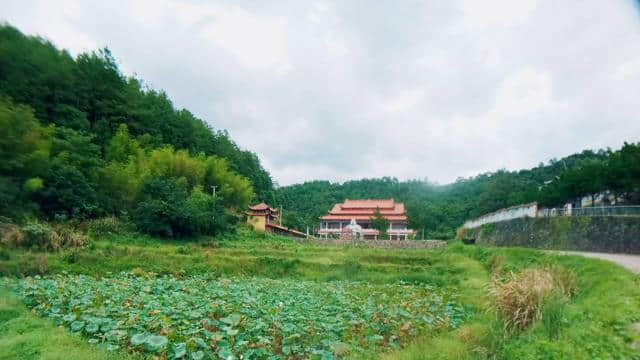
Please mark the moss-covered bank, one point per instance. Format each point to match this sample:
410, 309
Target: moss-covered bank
584, 233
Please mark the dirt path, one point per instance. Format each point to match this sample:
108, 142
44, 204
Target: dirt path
631, 262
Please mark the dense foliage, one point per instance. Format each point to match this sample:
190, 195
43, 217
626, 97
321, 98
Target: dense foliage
439, 209
78, 139
253, 318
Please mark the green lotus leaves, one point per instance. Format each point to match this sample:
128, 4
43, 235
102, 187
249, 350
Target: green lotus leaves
197, 317
138, 339
201, 343
233, 319
155, 343
91, 328
197, 355
77, 325
179, 350
225, 353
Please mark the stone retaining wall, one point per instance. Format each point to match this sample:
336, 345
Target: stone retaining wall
615, 234
396, 244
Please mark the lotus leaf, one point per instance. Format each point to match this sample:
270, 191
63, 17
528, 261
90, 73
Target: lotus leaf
179, 350
155, 343
91, 328
77, 325
138, 339
197, 355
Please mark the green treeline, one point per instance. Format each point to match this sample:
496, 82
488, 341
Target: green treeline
440, 209
78, 139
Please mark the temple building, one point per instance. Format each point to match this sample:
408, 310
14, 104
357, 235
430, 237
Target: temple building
262, 217
362, 211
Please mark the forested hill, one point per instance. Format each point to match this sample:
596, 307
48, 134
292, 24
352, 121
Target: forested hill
89, 94
440, 209
78, 138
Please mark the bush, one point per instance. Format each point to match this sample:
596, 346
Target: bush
39, 235
521, 298
42, 236
70, 237
107, 226
168, 209
11, 235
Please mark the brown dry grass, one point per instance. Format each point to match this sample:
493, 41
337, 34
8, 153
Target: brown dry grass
11, 235
521, 298
565, 281
53, 239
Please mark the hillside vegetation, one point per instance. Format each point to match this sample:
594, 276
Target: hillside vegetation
80, 140
440, 209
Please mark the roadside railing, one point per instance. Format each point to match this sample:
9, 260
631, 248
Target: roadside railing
622, 210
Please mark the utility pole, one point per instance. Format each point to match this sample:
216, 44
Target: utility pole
281, 213
213, 193
422, 233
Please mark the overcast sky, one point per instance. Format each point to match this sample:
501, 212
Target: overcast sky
350, 89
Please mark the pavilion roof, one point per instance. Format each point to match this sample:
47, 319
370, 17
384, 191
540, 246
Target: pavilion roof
262, 207
365, 210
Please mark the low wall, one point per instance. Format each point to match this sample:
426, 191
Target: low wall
514, 212
397, 244
581, 233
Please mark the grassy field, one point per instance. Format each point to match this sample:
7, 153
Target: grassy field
595, 323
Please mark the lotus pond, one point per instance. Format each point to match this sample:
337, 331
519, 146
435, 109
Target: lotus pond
203, 317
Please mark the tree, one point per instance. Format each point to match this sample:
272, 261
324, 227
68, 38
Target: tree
380, 223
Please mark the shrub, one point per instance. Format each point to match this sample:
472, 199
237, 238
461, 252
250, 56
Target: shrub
11, 235
71, 257
524, 297
168, 209
43, 237
107, 226
521, 298
70, 237
38, 235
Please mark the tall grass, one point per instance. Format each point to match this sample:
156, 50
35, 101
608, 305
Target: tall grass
521, 298
532, 294
554, 315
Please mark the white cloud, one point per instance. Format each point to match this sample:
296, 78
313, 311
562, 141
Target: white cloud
340, 90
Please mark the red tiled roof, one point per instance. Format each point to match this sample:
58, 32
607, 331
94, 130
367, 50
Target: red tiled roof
368, 204
261, 206
363, 217
365, 209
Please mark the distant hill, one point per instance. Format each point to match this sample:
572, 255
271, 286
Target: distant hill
440, 209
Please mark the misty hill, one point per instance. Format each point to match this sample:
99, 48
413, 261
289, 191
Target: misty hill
440, 209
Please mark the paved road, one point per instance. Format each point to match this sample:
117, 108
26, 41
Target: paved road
631, 262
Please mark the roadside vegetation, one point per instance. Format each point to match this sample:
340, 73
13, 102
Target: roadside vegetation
513, 303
